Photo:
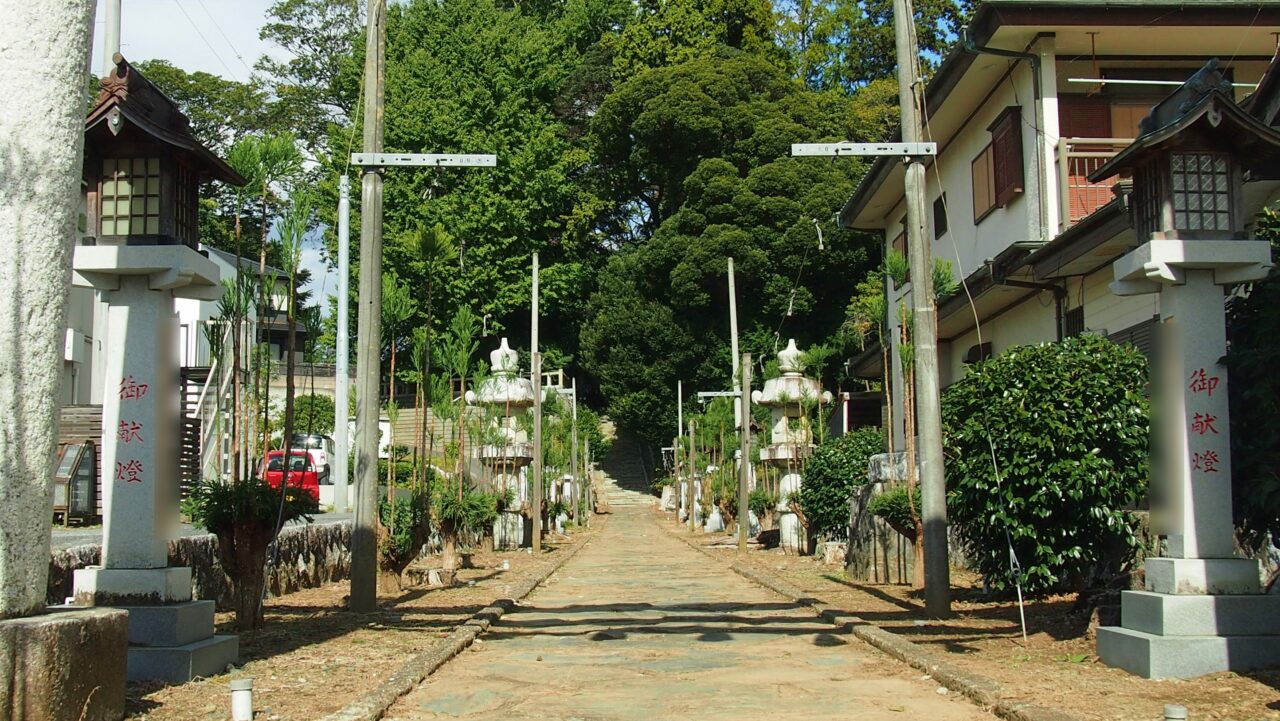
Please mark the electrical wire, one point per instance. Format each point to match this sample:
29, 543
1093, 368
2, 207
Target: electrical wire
221, 32
206, 40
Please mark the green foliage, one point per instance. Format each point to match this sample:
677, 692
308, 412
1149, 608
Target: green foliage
1253, 331
836, 468
314, 414
406, 522
697, 160
895, 506
761, 501
218, 507
670, 32
221, 111
1067, 424
470, 509
848, 44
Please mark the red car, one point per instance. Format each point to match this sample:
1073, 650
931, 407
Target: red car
302, 473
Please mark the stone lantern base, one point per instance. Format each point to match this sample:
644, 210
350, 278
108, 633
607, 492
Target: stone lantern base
1196, 616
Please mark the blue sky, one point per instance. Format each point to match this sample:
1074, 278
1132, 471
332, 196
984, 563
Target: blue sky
215, 36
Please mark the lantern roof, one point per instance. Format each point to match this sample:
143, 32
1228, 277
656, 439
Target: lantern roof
127, 98
1201, 108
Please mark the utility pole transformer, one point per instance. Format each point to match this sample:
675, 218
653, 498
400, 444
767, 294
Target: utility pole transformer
933, 490
364, 542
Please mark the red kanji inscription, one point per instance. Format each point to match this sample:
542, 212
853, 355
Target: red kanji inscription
131, 390
1202, 423
1207, 462
1202, 382
130, 472
129, 431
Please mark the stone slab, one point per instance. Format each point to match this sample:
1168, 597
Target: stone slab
1152, 656
175, 625
66, 665
176, 268
1182, 615
1200, 576
97, 586
180, 664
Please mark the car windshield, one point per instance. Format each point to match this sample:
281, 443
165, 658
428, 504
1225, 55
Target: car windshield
299, 463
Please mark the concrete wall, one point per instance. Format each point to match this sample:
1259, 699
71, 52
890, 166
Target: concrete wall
310, 556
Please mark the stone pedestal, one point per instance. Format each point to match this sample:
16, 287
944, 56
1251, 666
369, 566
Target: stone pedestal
170, 636
1202, 610
65, 665
791, 534
715, 522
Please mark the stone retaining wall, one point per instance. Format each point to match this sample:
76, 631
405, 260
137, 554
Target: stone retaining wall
310, 556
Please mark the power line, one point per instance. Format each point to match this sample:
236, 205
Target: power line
206, 40
230, 44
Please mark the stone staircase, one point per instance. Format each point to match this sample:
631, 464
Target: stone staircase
626, 476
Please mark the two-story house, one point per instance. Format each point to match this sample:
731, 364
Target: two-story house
1036, 96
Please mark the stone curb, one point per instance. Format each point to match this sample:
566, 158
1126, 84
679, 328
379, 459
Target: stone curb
979, 689
374, 704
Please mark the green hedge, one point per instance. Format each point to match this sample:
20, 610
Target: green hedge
1068, 425
837, 466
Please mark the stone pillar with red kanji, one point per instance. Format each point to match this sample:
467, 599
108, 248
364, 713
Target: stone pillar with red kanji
171, 636
1202, 610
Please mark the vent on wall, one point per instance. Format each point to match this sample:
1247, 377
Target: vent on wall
978, 353
1073, 322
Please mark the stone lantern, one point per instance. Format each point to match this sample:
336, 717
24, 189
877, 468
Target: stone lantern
1202, 610
507, 393
143, 170
791, 438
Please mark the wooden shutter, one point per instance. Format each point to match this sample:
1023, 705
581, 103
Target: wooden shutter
984, 185
1084, 116
1006, 154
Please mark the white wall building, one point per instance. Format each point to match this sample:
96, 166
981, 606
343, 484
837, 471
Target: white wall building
1023, 110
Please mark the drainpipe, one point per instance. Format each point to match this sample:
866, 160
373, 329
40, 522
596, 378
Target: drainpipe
1059, 292
970, 45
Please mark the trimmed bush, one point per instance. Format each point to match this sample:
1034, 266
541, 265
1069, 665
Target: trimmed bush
1068, 425
836, 468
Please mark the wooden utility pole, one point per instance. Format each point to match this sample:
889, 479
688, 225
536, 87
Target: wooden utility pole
535, 362
933, 505
744, 466
364, 542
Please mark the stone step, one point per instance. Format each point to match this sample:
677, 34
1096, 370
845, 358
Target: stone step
180, 664
1152, 656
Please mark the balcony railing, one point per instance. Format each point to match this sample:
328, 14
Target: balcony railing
1077, 158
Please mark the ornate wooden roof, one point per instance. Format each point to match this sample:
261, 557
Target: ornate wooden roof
126, 97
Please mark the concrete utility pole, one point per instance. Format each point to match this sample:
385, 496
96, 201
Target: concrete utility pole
733, 341
693, 470
573, 435
364, 544
744, 466
535, 363
933, 490
342, 381
110, 36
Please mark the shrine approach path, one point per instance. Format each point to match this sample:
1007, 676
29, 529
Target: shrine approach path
639, 626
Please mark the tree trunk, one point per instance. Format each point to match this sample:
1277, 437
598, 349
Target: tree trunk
243, 554
45, 44
448, 552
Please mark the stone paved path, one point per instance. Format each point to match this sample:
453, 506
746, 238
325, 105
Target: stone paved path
639, 626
